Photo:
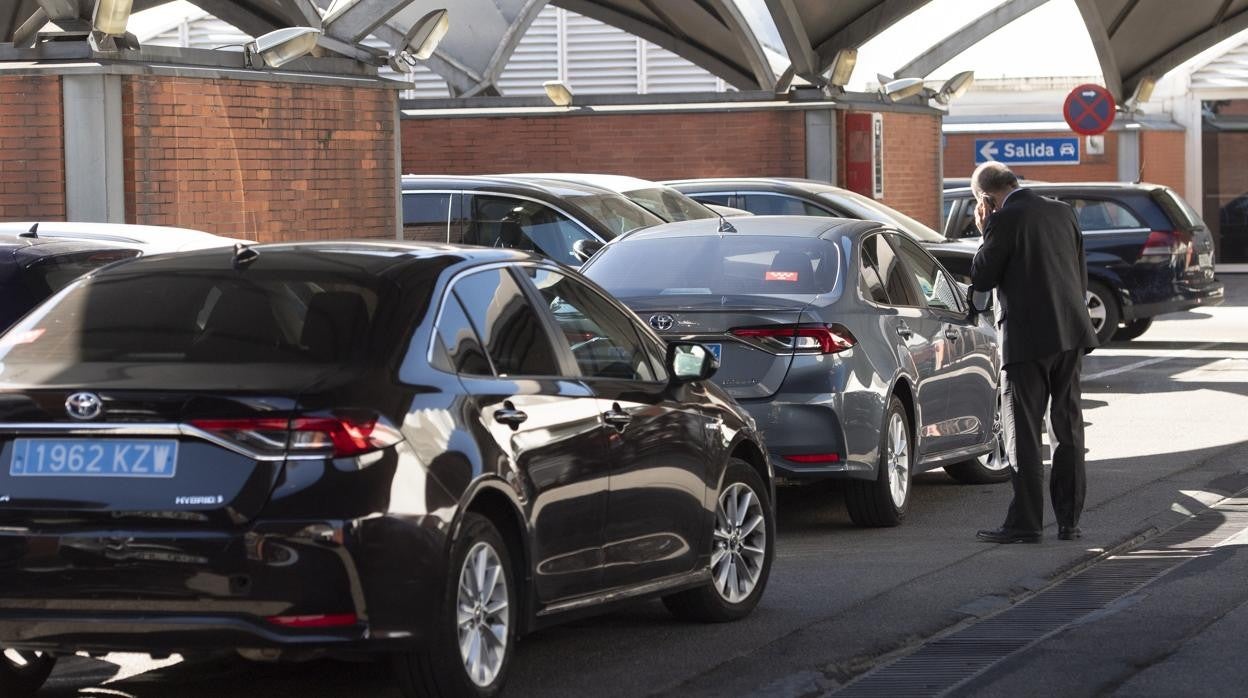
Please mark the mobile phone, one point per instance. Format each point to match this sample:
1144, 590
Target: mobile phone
990, 202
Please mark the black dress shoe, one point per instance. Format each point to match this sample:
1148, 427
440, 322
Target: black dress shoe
1069, 532
1007, 535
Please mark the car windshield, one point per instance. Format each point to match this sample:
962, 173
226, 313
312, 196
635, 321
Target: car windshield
715, 266
616, 212
864, 208
199, 316
669, 204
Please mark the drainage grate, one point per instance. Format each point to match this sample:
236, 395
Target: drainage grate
944, 663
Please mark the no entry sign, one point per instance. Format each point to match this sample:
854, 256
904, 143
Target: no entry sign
1089, 110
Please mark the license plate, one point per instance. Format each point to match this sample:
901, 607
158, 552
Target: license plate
94, 458
715, 350
1205, 259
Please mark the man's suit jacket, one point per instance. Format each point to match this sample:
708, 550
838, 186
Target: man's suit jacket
1033, 256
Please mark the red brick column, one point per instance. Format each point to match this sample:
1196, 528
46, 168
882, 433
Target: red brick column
269, 161
1163, 159
32, 164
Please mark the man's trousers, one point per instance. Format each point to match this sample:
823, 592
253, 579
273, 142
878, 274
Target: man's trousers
1026, 389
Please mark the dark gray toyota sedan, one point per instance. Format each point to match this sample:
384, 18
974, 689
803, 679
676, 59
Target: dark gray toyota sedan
849, 343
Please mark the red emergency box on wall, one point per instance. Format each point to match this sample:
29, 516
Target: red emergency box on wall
864, 154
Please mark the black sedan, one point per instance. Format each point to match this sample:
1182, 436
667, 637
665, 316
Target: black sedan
1148, 252
32, 268
359, 447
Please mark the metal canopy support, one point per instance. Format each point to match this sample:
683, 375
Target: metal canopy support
1100, 42
262, 18
796, 39
685, 47
1221, 29
953, 45
883, 15
354, 21
750, 45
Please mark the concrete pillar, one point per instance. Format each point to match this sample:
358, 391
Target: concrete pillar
821, 143
94, 173
1129, 155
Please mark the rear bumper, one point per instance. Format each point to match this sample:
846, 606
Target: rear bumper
1187, 298
269, 586
791, 428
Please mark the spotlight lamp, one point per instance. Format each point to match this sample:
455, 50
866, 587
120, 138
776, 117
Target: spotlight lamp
111, 16
560, 94
895, 90
955, 87
843, 67
425, 35
277, 48
1143, 91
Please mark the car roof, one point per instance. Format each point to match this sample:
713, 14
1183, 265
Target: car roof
1073, 186
55, 245
610, 182
786, 226
150, 238
506, 183
776, 183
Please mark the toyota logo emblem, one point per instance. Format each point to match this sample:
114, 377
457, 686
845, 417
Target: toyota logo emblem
662, 322
84, 405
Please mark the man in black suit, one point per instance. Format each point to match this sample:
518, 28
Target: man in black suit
1032, 255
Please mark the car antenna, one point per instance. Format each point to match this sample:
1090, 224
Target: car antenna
724, 225
244, 256
32, 233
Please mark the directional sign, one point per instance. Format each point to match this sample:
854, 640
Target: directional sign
1028, 151
1089, 110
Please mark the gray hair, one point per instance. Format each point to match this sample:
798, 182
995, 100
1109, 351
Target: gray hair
992, 176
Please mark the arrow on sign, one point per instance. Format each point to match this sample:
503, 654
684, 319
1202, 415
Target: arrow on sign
989, 151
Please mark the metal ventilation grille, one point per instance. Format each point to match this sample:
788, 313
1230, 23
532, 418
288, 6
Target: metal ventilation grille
947, 662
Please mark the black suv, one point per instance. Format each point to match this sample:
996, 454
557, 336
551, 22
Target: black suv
33, 268
1148, 252
564, 221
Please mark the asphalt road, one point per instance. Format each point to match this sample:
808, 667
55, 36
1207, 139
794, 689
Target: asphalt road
1166, 438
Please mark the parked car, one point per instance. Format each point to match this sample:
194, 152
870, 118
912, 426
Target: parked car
423, 450
148, 239
32, 268
1148, 252
663, 201
552, 218
804, 197
849, 344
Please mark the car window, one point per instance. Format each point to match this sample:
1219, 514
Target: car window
727, 265
460, 343
503, 221
508, 326
719, 199
778, 205
669, 204
937, 289
603, 340
1096, 214
616, 212
855, 205
426, 216
888, 273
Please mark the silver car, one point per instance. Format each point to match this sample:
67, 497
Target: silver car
849, 344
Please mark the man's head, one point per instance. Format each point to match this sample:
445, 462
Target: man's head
993, 179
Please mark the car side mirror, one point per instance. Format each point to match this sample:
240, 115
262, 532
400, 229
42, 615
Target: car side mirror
584, 249
687, 362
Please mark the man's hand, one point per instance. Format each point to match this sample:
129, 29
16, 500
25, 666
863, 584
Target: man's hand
982, 211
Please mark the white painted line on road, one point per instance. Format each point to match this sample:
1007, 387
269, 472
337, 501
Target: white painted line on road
1184, 354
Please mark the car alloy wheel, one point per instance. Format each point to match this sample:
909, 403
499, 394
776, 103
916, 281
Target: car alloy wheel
995, 460
482, 614
1097, 311
898, 460
740, 543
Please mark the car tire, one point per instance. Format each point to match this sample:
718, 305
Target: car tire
1103, 309
443, 670
744, 519
885, 500
23, 673
1133, 330
989, 469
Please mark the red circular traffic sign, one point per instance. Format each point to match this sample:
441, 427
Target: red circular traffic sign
1089, 110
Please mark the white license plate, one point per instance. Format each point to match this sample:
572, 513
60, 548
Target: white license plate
94, 458
1205, 259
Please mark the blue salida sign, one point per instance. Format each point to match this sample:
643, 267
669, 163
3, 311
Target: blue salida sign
1028, 151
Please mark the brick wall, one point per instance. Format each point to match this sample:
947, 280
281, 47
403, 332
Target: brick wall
32, 167
650, 146
912, 165
1162, 158
960, 159
260, 160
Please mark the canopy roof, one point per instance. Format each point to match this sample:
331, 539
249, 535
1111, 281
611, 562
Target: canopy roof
1134, 39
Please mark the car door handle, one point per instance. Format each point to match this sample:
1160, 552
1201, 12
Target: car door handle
509, 415
617, 417
904, 331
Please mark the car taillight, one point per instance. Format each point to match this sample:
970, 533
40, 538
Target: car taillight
327, 620
800, 339
1163, 244
340, 435
814, 457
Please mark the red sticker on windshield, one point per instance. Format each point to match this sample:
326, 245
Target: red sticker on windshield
781, 276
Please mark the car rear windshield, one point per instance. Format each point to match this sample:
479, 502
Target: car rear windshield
669, 204
219, 317
1179, 211
717, 266
616, 212
858, 206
